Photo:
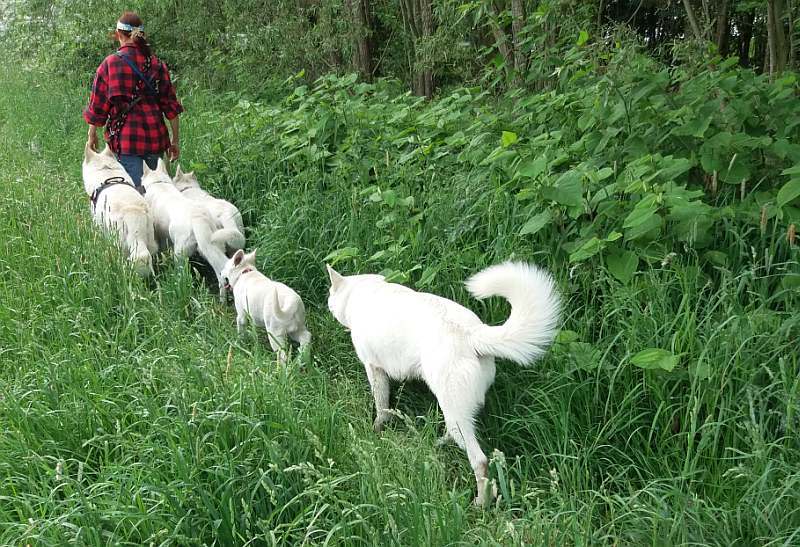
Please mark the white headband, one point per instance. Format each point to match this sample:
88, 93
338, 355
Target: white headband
129, 28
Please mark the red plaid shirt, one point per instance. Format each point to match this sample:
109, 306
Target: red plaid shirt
144, 131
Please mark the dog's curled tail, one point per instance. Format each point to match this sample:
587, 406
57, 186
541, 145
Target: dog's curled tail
230, 237
535, 311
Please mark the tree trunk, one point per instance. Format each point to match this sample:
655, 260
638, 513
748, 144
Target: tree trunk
418, 19
776, 37
517, 26
745, 37
362, 51
692, 19
426, 25
500, 39
722, 29
790, 11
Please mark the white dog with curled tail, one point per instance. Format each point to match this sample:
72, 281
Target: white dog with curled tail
399, 333
269, 304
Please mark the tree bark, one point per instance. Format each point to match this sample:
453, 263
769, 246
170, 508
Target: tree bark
517, 26
722, 28
500, 39
692, 19
426, 25
790, 12
362, 51
418, 19
776, 37
745, 37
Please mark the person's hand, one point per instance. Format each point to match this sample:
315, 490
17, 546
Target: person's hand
91, 141
173, 151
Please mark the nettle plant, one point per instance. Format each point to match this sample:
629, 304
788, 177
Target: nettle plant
624, 162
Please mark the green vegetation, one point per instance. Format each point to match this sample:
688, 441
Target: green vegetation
663, 199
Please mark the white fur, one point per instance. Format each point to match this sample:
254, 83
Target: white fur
120, 208
187, 225
269, 304
399, 333
223, 211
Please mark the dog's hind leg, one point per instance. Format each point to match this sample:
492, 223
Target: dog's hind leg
460, 427
241, 321
280, 345
379, 382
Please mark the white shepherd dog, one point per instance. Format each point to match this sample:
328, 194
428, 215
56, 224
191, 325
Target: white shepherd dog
399, 333
223, 211
118, 206
187, 225
269, 304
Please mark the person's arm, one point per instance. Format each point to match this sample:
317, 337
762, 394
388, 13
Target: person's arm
174, 145
96, 112
171, 108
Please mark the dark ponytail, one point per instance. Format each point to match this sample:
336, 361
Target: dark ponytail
132, 18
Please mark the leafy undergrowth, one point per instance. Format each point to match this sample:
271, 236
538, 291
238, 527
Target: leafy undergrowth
666, 412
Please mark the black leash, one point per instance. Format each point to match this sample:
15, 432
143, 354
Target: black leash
111, 181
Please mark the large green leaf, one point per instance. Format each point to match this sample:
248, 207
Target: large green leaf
343, 253
533, 168
655, 358
696, 127
650, 224
788, 192
642, 212
622, 265
508, 138
585, 355
567, 189
536, 223
587, 250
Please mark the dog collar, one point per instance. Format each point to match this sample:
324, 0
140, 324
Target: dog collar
247, 270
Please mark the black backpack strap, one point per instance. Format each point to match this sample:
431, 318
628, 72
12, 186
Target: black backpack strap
148, 82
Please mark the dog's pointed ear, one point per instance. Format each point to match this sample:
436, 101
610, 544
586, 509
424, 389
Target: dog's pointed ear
88, 153
178, 172
107, 152
250, 257
237, 257
146, 169
336, 278
162, 166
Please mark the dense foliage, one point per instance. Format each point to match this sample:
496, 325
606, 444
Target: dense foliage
243, 44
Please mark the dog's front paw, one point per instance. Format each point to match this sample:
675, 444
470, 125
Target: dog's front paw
444, 439
487, 493
380, 421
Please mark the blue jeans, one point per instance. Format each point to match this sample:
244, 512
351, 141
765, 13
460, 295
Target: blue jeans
134, 165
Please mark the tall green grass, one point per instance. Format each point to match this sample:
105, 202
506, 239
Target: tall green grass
133, 414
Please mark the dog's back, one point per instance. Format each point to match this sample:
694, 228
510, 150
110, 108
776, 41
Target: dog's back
122, 209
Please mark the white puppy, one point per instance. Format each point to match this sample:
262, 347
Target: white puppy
187, 225
223, 211
399, 333
269, 304
118, 206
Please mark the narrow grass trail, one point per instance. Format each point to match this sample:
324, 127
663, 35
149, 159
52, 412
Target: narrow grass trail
132, 414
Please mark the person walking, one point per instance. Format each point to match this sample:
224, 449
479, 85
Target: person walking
131, 95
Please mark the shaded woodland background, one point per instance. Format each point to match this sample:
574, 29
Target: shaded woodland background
427, 44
